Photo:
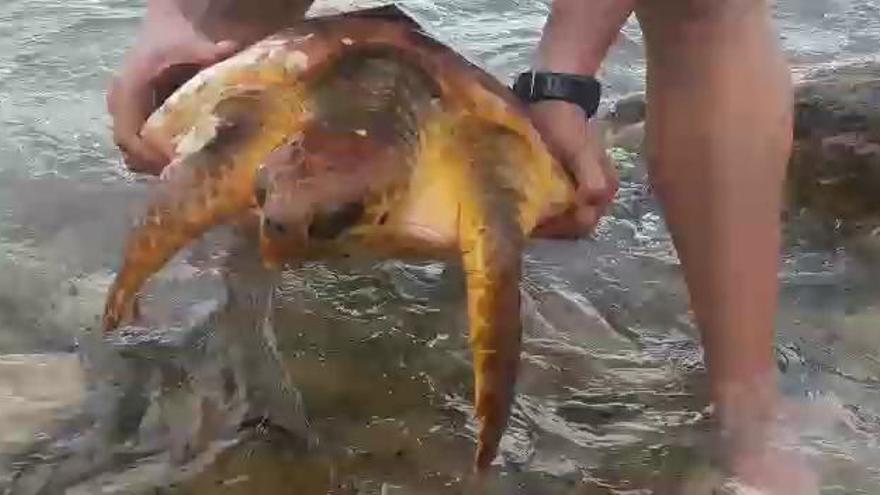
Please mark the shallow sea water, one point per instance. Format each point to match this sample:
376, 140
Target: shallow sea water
612, 392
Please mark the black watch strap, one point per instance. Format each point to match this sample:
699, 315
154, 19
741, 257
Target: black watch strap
584, 91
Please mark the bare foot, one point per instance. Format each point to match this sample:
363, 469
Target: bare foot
771, 471
763, 457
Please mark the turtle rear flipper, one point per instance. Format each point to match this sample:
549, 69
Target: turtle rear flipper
210, 183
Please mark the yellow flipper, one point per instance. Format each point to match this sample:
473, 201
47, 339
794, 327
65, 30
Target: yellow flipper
204, 187
481, 164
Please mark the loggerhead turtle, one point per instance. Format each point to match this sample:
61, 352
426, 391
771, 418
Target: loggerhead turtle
358, 135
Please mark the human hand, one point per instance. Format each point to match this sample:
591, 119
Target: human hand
576, 142
168, 51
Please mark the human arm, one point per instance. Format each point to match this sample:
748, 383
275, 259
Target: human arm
576, 39
175, 40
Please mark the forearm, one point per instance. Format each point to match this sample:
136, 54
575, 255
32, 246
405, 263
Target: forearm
240, 20
191, 11
579, 33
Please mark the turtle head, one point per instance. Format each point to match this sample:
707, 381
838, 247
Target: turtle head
306, 205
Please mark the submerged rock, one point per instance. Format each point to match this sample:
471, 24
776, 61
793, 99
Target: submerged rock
834, 172
35, 391
623, 125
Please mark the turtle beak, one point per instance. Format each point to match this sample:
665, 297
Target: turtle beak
281, 242
283, 230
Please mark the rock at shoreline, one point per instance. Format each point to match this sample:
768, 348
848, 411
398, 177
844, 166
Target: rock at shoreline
834, 170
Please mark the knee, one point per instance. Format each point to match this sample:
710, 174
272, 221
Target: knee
694, 15
714, 10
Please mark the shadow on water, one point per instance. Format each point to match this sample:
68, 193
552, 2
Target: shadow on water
356, 379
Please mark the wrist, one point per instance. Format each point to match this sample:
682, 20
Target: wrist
563, 126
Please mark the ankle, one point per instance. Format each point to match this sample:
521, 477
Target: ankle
747, 409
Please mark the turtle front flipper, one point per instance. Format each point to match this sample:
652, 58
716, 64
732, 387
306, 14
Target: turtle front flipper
491, 240
492, 257
211, 182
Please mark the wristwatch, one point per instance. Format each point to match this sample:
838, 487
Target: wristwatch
583, 91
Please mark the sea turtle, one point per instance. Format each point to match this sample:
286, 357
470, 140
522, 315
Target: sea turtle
359, 135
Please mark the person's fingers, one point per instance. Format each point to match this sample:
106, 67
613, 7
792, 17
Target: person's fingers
577, 145
181, 66
129, 102
225, 49
597, 180
579, 221
138, 92
571, 224
597, 184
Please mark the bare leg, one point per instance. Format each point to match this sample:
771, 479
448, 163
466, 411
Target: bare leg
719, 134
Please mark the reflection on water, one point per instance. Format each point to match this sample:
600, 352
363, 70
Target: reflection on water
612, 389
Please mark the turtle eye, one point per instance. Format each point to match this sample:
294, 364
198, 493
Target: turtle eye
330, 224
276, 227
